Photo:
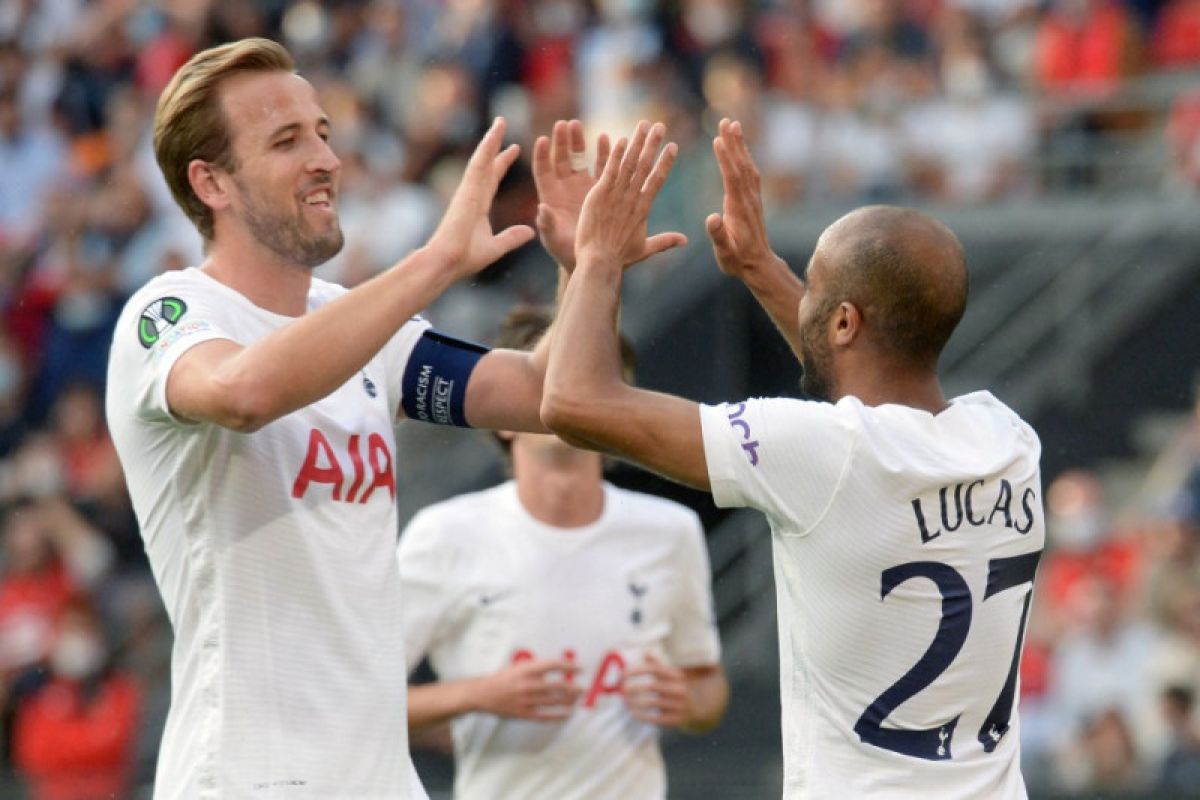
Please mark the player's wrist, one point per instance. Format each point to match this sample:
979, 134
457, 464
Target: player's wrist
479, 695
598, 257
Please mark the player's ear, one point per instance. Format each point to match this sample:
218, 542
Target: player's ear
210, 183
845, 323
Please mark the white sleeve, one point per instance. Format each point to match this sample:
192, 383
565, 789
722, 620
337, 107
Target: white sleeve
693, 640
395, 355
781, 456
153, 332
427, 560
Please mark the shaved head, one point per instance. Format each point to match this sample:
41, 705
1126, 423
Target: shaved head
904, 271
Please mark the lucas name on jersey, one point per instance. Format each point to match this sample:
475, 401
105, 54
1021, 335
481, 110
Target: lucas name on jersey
977, 503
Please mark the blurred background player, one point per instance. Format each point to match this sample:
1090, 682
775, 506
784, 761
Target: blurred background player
567, 621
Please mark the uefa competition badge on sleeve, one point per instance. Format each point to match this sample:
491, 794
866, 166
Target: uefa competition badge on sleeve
157, 318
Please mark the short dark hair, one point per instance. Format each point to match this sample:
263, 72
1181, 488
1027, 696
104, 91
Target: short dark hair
913, 298
525, 326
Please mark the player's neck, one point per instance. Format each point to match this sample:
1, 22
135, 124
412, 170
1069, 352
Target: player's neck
564, 496
882, 385
258, 273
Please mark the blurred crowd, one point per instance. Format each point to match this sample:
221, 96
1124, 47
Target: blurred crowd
942, 101
1111, 676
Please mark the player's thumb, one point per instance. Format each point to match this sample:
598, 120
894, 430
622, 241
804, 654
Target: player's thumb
661, 242
544, 220
511, 238
714, 225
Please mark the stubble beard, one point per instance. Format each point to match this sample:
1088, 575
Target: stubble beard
288, 235
817, 379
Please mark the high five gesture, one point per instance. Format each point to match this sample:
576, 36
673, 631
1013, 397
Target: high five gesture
563, 182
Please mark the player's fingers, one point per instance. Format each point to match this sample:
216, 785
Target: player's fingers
510, 239
548, 713
662, 242
729, 173
718, 233
578, 146
603, 147
653, 182
560, 148
745, 160
542, 666
630, 160
650, 149
613, 165
501, 165
554, 694
488, 147
542, 168
544, 219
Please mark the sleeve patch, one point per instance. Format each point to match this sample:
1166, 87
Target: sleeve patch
435, 379
157, 318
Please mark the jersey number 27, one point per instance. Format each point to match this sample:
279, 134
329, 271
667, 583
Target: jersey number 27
934, 743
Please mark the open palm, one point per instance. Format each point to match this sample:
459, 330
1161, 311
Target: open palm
563, 182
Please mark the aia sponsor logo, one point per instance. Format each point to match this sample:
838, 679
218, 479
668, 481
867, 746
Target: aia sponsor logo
353, 472
609, 678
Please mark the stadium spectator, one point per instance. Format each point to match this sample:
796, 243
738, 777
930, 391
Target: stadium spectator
1183, 142
1176, 40
1180, 770
32, 159
74, 736
1085, 48
1104, 758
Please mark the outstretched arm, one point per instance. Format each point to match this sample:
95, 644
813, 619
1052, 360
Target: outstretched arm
739, 236
244, 388
586, 401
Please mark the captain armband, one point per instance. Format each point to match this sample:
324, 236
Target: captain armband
435, 379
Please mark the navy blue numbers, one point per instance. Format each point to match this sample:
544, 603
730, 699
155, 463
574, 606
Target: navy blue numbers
934, 744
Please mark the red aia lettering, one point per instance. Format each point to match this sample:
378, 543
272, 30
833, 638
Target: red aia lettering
614, 664
321, 465
610, 677
380, 459
313, 472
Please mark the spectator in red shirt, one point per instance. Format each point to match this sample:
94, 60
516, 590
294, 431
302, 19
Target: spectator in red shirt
1177, 35
1084, 47
75, 738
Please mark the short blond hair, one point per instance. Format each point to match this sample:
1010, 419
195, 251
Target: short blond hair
189, 122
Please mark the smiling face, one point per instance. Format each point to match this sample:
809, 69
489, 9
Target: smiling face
285, 175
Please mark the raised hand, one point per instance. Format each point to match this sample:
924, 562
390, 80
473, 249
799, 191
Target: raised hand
464, 237
657, 694
539, 689
739, 232
612, 222
563, 180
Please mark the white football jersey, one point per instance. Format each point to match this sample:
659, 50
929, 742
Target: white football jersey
484, 583
274, 554
905, 547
